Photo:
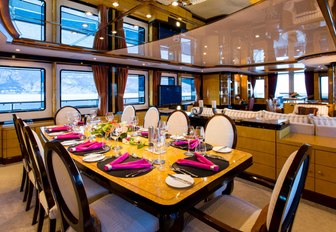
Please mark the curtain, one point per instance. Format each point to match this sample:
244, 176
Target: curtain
122, 74
156, 82
100, 75
120, 36
309, 80
272, 82
253, 83
101, 37
197, 83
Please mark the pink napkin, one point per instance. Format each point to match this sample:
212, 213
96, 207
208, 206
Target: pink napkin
80, 123
144, 133
72, 135
204, 163
58, 128
192, 144
88, 146
138, 164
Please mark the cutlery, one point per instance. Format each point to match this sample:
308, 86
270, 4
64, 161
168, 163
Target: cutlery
133, 174
222, 148
180, 179
183, 171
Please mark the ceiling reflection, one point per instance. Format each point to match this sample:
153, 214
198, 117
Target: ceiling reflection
268, 32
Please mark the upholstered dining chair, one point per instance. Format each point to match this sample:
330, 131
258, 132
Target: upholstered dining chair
128, 114
110, 213
250, 104
220, 130
61, 114
152, 117
178, 123
229, 213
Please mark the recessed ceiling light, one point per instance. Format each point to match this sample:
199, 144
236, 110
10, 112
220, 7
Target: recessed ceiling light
101, 37
205, 46
115, 4
238, 47
18, 50
88, 13
85, 25
114, 32
94, 58
222, 58
143, 64
148, 15
178, 24
297, 50
204, 53
257, 36
175, 3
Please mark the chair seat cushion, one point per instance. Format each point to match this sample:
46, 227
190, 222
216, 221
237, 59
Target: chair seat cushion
116, 214
93, 190
228, 209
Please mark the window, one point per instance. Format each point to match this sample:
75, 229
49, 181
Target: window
188, 89
78, 28
185, 50
300, 84
324, 87
259, 89
78, 89
22, 89
28, 17
135, 34
165, 80
135, 90
282, 88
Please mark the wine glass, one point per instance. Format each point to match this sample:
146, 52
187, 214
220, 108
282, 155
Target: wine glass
189, 137
115, 136
201, 148
163, 127
76, 118
199, 132
109, 116
159, 148
93, 114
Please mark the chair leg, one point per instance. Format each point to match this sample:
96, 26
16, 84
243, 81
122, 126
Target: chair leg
24, 175
229, 187
30, 195
26, 189
40, 219
36, 209
52, 225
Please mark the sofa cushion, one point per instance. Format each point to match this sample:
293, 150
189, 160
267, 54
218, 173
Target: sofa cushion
322, 109
293, 118
307, 110
238, 114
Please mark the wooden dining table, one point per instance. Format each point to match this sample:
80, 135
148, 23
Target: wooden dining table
150, 191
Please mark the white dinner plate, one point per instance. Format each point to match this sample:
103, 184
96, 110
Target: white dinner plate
179, 184
93, 157
220, 149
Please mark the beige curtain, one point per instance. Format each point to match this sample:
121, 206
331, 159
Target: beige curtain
197, 82
100, 75
156, 82
101, 37
122, 74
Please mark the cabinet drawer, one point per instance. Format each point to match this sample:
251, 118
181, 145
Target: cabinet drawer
325, 158
261, 157
325, 173
257, 133
11, 152
262, 170
286, 150
325, 188
256, 145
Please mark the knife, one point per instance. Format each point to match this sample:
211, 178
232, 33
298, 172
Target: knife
134, 174
180, 179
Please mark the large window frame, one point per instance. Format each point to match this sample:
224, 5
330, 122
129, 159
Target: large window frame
168, 78
47, 85
192, 96
132, 45
259, 89
144, 74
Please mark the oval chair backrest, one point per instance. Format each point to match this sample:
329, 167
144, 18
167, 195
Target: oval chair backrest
287, 191
61, 115
221, 131
128, 114
152, 117
67, 185
178, 123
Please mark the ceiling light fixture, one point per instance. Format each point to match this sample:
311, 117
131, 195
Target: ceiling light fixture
88, 13
114, 32
85, 25
178, 24
101, 38
257, 36
148, 15
115, 4
18, 50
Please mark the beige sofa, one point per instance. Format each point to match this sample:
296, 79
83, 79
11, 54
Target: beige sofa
325, 126
322, 109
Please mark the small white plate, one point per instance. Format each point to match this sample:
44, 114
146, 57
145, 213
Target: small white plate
58, 133
176, 137
93, 157
220, 149
172, 182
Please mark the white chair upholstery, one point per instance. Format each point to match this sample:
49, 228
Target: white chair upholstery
221, 131
178, 123
128, 114
61, 114
323, 110
325, 126
152, 117
242, 215
239, 114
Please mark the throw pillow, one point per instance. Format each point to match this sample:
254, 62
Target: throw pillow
307, 110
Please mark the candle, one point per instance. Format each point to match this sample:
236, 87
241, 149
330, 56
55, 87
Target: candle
213, 104
200, 103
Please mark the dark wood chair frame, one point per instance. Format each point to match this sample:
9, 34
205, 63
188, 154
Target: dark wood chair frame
84, 222
301, 159
42, 182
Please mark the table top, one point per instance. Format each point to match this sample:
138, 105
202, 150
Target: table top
152, 186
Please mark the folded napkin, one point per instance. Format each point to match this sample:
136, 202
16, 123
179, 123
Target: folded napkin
144, 133
80, 123
72, 135
138, 164
192, 143
58, 128
87, 146
203, 164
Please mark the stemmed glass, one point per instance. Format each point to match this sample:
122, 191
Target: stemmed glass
134, 124
115, 136
199, 132
109, 116
163, 127
76, 118
159, 148
190, 135
93, 114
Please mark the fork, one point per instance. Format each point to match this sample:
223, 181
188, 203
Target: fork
183, 171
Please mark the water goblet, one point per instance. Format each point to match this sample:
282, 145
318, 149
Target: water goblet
93, 114
199, 132
189, 137
109, 116
115, 136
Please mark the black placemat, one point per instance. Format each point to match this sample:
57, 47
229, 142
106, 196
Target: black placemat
222, 164
121, 172
82, 153
185, 146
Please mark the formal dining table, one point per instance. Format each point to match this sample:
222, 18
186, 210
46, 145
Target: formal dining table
150, 191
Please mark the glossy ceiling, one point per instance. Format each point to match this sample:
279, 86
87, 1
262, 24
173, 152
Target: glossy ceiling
268, 32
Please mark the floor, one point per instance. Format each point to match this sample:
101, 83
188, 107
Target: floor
13, 217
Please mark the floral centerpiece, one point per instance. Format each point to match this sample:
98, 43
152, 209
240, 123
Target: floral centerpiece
103, 129
294, 94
